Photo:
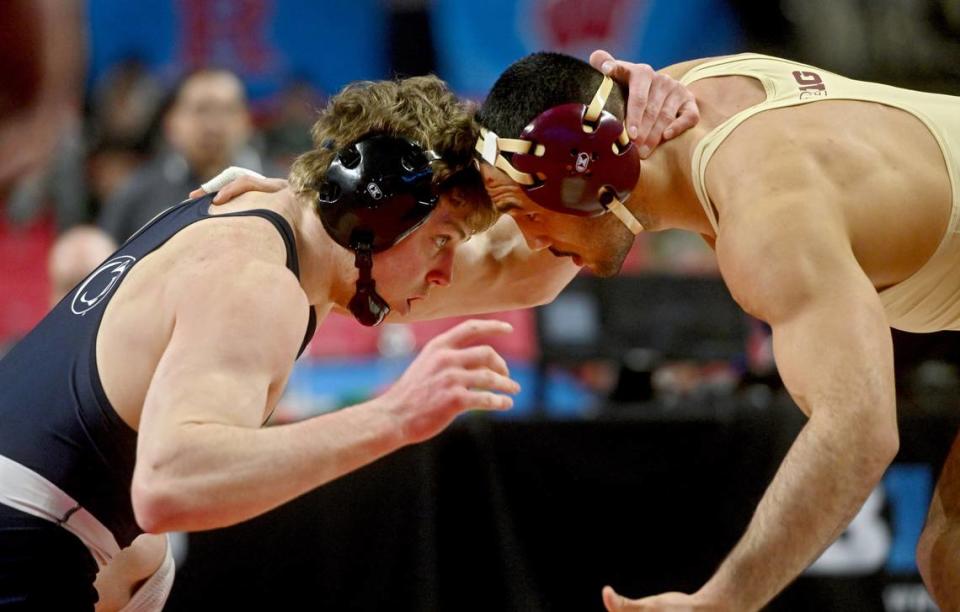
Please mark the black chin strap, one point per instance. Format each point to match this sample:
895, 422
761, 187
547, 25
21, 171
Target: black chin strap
366, 304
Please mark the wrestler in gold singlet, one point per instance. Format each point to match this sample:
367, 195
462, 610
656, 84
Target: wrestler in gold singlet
926, 301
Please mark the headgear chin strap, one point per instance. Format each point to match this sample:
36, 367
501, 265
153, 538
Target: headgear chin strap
574, 159
375, 193
366, 304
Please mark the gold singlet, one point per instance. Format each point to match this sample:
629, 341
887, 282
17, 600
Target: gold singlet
927, 301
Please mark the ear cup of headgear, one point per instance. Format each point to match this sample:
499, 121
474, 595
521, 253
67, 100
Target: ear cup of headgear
414, 160
376, 192
575, 166
329, 193
349, 157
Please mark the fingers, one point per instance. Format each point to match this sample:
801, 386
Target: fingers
612, 601
657, 118
244, 184
598, 58
640, 82
658, 108
485, 380
687, 117
647, 134
638, 78
482, 357
235, 180
233, 189
485, 400
670, 110
470, 331
230, 174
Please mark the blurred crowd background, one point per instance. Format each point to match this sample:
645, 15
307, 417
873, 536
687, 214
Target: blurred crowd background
113, 110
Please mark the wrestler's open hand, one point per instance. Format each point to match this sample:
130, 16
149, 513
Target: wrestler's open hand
659, 106
234, 181
666, 602
453, 373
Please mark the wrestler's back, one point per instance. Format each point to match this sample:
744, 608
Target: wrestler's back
878, 168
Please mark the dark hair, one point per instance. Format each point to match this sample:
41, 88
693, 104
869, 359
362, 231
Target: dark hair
176, 88
538, 82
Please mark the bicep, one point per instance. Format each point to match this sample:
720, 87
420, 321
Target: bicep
835, 350
229, 346
831, 338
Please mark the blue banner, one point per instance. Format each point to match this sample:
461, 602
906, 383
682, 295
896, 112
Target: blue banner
477, 40
269, 43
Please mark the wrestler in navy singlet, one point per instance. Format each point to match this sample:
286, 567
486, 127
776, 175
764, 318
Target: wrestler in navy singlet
55, 418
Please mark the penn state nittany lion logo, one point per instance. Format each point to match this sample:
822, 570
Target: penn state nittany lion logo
99, 284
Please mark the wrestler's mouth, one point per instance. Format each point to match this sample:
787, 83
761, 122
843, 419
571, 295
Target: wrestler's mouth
577, 260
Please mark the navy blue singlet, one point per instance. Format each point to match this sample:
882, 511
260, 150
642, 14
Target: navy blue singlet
54, 415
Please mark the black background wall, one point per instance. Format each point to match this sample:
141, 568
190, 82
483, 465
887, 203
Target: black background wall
530, 516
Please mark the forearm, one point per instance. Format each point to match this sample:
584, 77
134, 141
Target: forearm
824, 479
216, 475
496, 271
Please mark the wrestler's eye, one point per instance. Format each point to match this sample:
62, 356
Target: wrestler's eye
441, 241
532, 217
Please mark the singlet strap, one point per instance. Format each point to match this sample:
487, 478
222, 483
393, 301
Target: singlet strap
293, 263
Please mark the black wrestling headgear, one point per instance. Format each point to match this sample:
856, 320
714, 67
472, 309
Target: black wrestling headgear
375, 193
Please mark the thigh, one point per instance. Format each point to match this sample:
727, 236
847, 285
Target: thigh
42, 566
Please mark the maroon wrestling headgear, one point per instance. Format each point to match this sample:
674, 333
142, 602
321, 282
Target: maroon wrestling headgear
574, 159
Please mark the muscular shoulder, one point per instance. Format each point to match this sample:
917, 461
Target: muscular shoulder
782, 252
677, 71
764, 154
231, 278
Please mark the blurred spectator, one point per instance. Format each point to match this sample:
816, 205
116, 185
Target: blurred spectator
41, 64
88, 167
124, 111
206, 127
73, 256
60, 184
123, 105
288, 133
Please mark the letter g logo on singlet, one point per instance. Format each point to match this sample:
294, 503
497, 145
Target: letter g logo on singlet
99, 284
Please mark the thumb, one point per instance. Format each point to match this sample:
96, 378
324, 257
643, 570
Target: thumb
612, 601
600, 57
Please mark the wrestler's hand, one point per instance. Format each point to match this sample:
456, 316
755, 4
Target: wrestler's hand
666, 602
234, 181
659, 106
452, 374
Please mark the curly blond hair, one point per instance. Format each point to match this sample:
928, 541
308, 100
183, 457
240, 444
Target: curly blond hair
422, 109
